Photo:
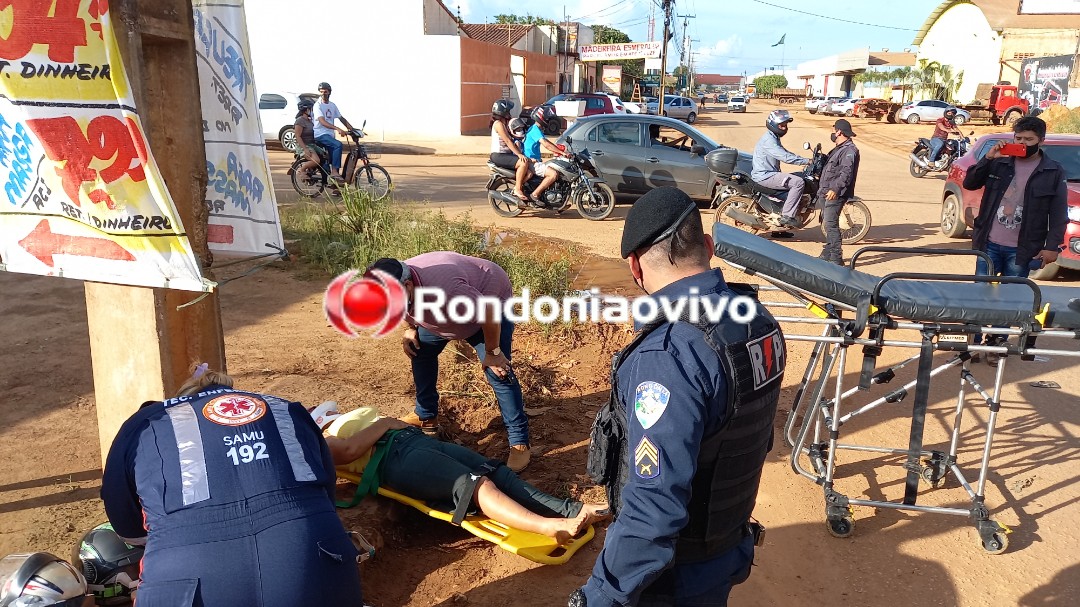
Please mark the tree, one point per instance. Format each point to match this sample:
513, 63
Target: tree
765, 85
526, 20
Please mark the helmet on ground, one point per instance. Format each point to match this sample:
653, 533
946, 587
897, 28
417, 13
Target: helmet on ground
501, 108
542, 115
110, 565
517, 127
40, 578
325, 85
777, 118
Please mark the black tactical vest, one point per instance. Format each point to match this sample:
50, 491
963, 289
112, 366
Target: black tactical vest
730, 460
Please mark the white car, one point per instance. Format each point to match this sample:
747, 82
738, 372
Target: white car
277, 112
676, 106
736, 104
840, 107
815, 104
625, 106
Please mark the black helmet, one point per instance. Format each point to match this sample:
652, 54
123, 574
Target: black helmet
111, 566
950, 112
543, 115
501, 108
305, 103
40, 575
777, 118
324, 85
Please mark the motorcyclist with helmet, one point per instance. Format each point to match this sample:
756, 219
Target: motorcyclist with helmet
768, 154
534, 140
944, 126
304, 129
505, 149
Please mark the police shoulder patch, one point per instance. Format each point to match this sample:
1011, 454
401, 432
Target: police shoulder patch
650, 401
646, 459
766, 358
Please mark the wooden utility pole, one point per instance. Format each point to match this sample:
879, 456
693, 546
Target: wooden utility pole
141, 345
663, 57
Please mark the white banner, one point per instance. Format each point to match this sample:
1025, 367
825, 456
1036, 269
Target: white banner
240, 192
80, 194
626, 50
1049, 7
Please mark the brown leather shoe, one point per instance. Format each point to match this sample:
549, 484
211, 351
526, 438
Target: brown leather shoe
519, 458
429, 426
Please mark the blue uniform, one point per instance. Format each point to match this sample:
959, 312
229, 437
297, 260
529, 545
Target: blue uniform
233, 494
674, 389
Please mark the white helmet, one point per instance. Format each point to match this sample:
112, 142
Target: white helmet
41, 579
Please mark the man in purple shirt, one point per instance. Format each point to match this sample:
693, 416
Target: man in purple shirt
460, 276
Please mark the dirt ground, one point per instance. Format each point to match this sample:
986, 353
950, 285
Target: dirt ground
278, 341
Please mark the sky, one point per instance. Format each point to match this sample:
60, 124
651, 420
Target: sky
735, 36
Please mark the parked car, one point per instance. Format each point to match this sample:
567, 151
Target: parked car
930, 110
721, 97
841, 107
626, 107
676, 106
635, 153
959, 206
736, 104
815, 103
277, 113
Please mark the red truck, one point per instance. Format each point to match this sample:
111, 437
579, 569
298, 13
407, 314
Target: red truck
999, 103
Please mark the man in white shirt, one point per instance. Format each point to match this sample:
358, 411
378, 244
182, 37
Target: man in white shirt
326, 112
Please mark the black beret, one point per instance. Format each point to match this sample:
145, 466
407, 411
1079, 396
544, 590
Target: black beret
654, 217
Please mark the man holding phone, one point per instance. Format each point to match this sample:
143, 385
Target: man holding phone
456, 276
1022, 219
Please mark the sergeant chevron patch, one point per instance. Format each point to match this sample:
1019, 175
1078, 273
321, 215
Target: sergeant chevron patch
646, 459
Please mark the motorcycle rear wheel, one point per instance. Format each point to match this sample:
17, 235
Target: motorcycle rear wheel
854, 222
500, 206
742, 203
307, 183
595, 208
916, 170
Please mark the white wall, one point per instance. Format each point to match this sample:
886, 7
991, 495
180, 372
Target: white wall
962, 38
375, 55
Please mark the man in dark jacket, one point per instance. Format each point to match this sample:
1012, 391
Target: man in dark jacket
1024, 210
837, 187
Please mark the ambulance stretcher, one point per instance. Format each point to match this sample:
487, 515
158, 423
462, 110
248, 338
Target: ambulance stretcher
858, 309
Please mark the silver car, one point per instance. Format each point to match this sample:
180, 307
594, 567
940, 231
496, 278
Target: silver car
675, 106
930, 110
635, 153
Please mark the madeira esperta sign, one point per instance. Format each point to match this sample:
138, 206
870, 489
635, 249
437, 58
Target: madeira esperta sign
625, 50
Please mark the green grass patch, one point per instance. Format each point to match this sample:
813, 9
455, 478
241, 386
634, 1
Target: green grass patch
336, 235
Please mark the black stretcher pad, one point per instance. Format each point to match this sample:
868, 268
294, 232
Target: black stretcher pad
919, 301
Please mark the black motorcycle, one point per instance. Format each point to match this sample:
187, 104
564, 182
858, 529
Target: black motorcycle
578, 184
920, 156
750, 206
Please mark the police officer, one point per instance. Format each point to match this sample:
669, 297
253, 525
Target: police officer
681, 443
232, 494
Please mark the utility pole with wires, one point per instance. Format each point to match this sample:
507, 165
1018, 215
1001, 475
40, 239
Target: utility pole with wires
685, 55
668, 6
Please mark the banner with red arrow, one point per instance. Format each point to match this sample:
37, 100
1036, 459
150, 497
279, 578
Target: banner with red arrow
80, 194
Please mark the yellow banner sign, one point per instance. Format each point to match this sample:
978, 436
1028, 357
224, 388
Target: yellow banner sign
82, 196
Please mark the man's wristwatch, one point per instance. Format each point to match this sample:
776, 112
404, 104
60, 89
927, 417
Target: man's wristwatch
496, 352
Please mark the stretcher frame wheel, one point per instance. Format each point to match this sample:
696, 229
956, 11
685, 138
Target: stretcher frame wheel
841, 526
932, 478
996, 544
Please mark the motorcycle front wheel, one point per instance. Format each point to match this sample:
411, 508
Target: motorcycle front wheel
739, 203
595, 207
854, 222
916, 170
500, 206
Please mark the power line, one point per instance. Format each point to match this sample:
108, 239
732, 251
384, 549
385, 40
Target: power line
795, 10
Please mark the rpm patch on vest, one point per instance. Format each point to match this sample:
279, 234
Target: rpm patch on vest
234, 409
650, 401
646, 459
766, 358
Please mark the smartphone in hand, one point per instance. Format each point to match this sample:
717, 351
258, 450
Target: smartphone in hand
1013, 149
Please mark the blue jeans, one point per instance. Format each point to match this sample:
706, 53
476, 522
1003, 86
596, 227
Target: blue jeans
425, 368
703, 584
936, 145
1004, 259
333, 146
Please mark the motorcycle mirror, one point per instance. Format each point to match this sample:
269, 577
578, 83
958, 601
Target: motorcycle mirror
971, 133
806, 145
569, 141
363, 124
